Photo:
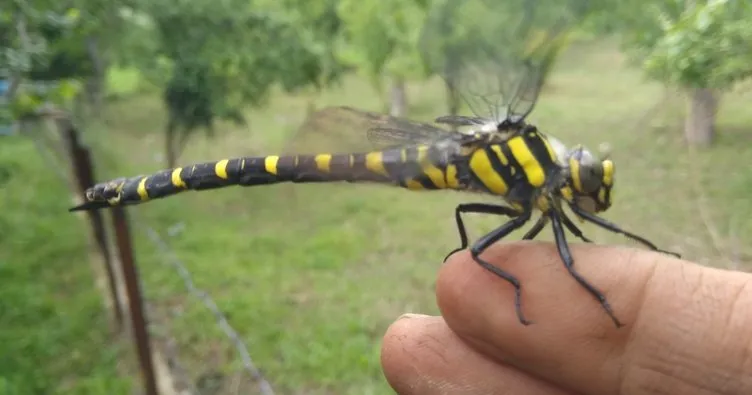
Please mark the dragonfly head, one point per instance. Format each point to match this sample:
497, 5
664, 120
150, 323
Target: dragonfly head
590, 179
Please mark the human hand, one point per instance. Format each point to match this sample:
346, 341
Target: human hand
688, 328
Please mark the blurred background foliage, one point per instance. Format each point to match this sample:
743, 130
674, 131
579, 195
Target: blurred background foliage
157, 84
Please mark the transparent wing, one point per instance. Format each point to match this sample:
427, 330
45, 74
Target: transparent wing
496, 54
345, 129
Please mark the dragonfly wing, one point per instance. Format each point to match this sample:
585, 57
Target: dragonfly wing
496, 53
344, 129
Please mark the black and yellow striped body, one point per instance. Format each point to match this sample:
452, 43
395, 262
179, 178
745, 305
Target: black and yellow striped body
514, 169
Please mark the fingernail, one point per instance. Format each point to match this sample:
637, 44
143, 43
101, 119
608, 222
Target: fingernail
411, 315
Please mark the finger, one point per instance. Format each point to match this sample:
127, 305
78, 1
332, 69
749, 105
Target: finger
687, 325
421, 355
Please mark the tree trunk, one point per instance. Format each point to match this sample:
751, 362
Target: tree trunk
170, 135
398, 98
453, 97
96, 83
699, 126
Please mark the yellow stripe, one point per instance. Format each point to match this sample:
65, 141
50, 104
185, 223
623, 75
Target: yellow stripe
414, 185
142, 189
323, 162
270, 164
602, 195
550, 149
567, 193
574, 170
451, 176
436, 176
176, 180
220, 169
375, 163
608, 172
533, 169
481, 166
422, 153
503, 158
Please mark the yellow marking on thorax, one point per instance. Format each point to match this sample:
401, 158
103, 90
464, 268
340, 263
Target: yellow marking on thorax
323, 162
567, 193
375, 163
541, 203
503, 158
532, 168
175, 178
451, 177
142, 189
549, 148
220, 169
608, 172
270, 164
481, 166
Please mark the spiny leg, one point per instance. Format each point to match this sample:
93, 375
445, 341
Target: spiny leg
536, 229
573, 228
616, 229
492, 237
566, 256
478, 208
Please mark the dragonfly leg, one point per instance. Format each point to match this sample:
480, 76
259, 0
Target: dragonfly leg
573, 228
616, 229
478, 208
536, 229
492, 237
566, 256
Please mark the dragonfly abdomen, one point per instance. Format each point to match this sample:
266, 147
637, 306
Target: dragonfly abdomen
407, 167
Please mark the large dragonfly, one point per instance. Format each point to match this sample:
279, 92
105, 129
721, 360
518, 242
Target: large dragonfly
496, 56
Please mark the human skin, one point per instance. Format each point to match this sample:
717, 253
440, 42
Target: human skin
688, 328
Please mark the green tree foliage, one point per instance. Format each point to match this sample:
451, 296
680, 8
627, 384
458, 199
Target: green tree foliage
214, 58
380, 37
707, 45
41, 55
701, 46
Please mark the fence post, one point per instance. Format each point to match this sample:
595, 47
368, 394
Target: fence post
130, 277
83, 172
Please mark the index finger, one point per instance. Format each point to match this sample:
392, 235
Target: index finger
686, 325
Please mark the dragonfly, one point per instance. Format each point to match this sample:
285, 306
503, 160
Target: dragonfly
498, 69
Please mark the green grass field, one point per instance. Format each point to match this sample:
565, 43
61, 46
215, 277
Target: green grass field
53, 330
312, 275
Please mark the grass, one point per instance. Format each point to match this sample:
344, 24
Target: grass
312, 275
54, 336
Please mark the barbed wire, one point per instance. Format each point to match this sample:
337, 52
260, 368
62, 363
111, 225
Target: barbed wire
172, 259
248, 364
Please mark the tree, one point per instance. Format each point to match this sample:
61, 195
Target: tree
701, 46
41, 61
380, 37
216, 58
